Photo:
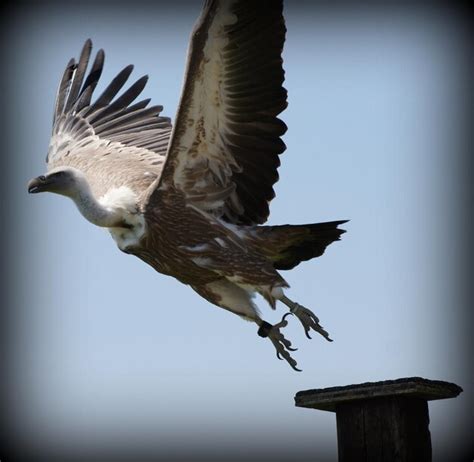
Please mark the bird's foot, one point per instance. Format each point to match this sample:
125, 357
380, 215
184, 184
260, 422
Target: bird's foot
281, 344
309, 320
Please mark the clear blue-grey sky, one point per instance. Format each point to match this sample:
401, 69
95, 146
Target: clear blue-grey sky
109, 353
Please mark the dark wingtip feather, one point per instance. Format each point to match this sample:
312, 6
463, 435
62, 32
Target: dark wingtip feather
140, 83
129, 95
64, 88
128, 69
113, 88
95, 72
78, 76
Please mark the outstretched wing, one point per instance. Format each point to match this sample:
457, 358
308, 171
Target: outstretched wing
86, 132
224, 149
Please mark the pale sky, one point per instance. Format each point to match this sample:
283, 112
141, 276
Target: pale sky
108, 353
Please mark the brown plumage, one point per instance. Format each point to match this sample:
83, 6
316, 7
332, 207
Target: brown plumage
189, 200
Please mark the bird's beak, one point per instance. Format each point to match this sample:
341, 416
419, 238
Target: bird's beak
37, 185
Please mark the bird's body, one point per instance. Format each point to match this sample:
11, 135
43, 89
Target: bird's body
190, 201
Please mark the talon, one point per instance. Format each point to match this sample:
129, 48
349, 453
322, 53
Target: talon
309, 321
281, 344
285, 315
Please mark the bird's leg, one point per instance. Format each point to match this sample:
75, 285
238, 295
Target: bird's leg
307, 318
281, 344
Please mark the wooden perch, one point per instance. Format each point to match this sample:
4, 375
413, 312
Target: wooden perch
381, 421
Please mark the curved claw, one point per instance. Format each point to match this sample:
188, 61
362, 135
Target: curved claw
284, 323
285, 315
288, 345
309, 321
290, 361
281, 344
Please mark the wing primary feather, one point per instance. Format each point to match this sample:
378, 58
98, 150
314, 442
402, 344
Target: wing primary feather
91, 82
140, 105
135, 107
114, 87
79, 75
83, 100
97, 67
141, 125
125, 99
63, 88
125, 121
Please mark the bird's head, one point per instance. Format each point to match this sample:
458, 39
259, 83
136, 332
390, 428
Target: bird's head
66, 181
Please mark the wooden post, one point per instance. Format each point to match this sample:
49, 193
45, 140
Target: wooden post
381, 421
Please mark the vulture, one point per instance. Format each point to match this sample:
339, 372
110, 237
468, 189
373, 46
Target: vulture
190, 199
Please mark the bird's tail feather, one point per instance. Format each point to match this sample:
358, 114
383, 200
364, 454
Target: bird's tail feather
289, 245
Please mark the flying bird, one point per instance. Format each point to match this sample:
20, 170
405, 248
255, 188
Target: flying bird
190, 199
